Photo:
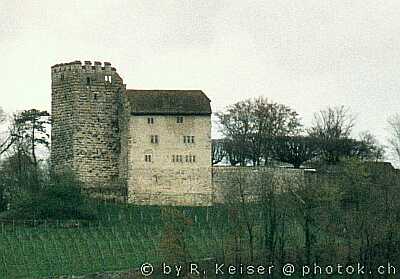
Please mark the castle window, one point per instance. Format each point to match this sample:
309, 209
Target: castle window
95, 96
62, 76
179, 119
194, 159
88, 81
147, 158
150, 120
107, 78
187, 158
177, 158
154, 138
188, 139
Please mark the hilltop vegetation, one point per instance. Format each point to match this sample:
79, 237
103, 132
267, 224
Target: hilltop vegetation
346, 212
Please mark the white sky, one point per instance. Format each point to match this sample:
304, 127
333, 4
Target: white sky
307, 54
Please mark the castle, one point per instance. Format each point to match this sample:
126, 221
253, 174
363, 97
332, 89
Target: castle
152, 146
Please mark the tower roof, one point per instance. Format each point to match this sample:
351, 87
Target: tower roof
168, 102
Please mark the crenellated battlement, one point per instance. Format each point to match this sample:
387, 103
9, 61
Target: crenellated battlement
78, 66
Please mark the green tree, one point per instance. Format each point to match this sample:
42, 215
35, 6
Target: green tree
295, 150
31, 126
371, 149
237, 124
248, 125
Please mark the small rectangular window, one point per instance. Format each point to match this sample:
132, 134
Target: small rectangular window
173, 158
179, 119
88, 81
147, 158
187, 159
188, 139
194, 159
154, 138
150, 120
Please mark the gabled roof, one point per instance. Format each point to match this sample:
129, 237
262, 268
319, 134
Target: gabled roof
168, 102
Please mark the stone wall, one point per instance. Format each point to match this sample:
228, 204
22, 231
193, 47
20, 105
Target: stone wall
85, 121
179, 172
229, 181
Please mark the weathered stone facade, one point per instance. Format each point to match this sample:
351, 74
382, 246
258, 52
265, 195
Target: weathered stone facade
104, 134
229, 181
180, 169
85, 121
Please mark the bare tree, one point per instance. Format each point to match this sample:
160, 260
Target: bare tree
332, 123
271, 120
218, 151
333, 127
394, 141
2, 115
6, 142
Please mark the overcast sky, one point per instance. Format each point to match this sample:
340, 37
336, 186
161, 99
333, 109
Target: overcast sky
305, 54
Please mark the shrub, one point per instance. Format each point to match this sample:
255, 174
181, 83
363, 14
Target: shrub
60, 197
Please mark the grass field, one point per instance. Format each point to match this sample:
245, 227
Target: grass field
124, 238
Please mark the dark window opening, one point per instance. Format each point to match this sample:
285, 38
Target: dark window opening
188, 139
147, 158
179, 119
154, 138
88, 80
150, 120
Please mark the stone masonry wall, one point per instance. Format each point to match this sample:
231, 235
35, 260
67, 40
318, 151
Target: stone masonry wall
166, 180
252, 180
85, 121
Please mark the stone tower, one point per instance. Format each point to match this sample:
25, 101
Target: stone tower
85, 135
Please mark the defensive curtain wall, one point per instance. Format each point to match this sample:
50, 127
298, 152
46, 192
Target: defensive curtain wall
229, 182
